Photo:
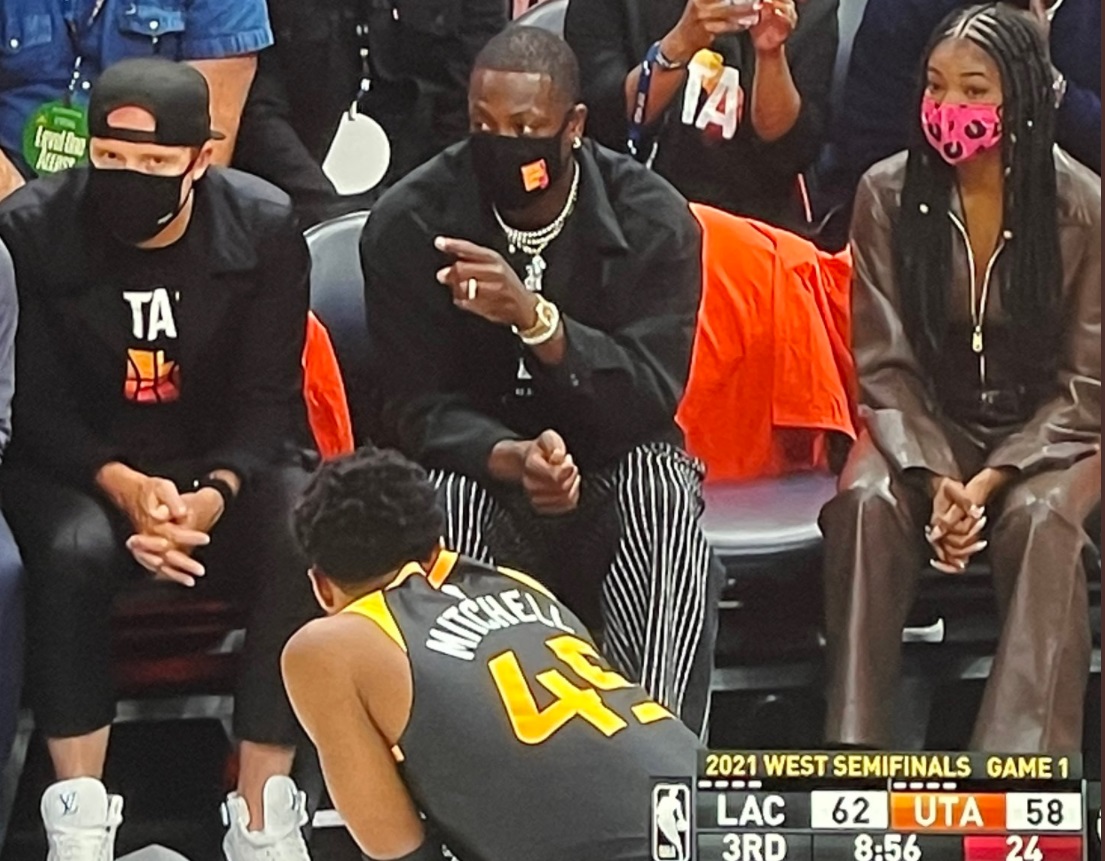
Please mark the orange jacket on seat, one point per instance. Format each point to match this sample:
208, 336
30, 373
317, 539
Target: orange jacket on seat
772, 369
324, 392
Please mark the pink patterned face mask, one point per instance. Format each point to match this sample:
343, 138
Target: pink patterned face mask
960, 132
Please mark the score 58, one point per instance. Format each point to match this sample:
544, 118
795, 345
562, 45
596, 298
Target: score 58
886, 847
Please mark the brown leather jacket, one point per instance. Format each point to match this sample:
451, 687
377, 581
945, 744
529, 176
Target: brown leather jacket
1030, 413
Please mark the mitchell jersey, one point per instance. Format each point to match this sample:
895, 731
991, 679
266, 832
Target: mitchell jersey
522, 744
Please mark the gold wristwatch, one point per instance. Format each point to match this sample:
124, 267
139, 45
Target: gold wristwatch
548, 321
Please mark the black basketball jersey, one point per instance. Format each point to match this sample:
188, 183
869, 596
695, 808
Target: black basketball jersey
523, 744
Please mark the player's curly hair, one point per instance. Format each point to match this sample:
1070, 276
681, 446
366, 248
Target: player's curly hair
366, 514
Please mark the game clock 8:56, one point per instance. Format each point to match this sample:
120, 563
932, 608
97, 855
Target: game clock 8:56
886, 847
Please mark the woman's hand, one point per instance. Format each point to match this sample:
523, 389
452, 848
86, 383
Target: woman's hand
702, 21
954, 512
959, 517
983, 487
778, 19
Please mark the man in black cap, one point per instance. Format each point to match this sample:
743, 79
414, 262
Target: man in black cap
164, 311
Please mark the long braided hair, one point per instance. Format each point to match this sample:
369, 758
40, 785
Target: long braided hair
1031, 279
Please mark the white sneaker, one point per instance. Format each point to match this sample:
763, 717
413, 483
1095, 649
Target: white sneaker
285, 815
81, 820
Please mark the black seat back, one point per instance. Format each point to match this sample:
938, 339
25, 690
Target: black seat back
337, 298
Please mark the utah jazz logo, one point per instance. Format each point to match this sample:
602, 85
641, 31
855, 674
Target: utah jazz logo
671, 822
152, 376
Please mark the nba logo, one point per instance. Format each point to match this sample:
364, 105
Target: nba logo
671, 822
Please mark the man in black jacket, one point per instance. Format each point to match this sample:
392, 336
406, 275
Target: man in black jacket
159, 390
732, 95
531, 301
415, 55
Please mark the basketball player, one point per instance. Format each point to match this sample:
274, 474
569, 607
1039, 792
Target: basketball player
440, 685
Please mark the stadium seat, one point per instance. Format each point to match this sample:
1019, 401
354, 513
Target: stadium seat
769, 647
337, 298
765, 518
548, 15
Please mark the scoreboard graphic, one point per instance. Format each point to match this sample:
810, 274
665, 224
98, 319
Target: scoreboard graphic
867, 806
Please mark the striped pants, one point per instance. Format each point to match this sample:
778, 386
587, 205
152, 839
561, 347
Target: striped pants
632, 559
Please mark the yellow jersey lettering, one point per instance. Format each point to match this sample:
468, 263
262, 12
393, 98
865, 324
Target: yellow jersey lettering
533, 725
578, 655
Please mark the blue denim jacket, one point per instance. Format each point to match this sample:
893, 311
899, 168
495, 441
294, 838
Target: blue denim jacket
37, 53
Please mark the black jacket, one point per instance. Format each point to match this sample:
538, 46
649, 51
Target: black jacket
628, 294
242, 326
420, 54
745, 175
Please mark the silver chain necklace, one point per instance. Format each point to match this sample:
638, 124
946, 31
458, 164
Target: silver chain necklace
534, 242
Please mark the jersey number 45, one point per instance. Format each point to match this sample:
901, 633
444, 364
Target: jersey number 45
533, 724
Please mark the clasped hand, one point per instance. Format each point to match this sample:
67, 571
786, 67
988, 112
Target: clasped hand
959, 517
550, 477
169, 526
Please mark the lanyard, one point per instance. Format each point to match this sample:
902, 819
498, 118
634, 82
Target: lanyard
75, 39
640, 107
364, 49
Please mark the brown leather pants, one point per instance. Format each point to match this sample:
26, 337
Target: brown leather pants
874, 553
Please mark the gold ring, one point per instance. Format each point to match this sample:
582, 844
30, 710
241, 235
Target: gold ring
473, 288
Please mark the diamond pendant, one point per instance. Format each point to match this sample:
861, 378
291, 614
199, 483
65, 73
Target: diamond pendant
535, 271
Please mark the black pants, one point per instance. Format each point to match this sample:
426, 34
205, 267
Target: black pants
73, 548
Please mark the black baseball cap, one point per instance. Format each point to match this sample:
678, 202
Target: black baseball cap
176, 94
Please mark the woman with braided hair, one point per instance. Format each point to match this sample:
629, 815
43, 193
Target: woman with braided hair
977, 320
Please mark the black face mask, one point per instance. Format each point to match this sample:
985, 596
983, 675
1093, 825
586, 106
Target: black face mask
514, 172
135, 206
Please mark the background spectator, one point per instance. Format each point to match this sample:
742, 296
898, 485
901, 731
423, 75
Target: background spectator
546, 408
54, 50
741, 153
11, 571
876, 116
163, 316
416, 53
977, 336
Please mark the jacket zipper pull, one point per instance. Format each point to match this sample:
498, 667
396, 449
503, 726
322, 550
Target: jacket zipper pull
976, 339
